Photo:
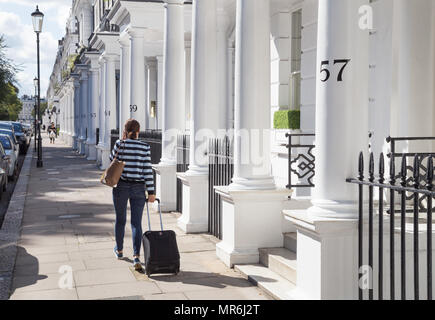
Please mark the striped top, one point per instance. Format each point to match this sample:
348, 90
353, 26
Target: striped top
137, 157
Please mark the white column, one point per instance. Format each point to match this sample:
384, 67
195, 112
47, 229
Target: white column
137, 78
223, 62
147, 115
101, 115
173, 79
188, 60
159, 120
173, 121
252, 164
93, 114
339, 104
252, 205
110, 107
329, 229
84, 92
124, 113
152, 91
66, 115
76, 121
205, 116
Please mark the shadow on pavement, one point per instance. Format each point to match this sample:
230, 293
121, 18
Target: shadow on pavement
30, 274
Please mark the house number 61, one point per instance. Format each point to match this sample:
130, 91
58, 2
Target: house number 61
324, 69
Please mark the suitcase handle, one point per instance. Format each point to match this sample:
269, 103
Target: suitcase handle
160, 214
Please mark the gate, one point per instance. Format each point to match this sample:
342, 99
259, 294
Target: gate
221, 170
183, 152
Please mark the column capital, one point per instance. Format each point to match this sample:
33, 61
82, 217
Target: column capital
109, 57
124, 41
173, 2
135, 32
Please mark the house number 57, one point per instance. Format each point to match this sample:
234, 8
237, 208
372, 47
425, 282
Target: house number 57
324, 69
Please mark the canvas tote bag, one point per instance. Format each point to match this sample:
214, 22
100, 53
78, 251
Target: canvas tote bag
113, 173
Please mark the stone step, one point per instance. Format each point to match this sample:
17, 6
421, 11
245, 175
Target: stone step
268, 281
291, 241
281, 261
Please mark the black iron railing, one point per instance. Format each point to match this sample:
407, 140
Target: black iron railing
221, 170
303, 164
410, 166
97, 132
183, 152
154, 139
400, 187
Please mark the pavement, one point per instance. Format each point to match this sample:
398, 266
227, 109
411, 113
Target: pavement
65, 250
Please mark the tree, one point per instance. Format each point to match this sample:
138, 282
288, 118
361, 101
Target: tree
10, 105
44, 106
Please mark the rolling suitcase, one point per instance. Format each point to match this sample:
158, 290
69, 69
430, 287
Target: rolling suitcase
160, 249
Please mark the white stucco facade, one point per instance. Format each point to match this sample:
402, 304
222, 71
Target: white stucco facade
350, 67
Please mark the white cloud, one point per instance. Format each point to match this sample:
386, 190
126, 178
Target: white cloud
21, 39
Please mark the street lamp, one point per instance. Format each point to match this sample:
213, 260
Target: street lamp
38, 19
35, 83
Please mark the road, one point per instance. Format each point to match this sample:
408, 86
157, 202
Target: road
4, 202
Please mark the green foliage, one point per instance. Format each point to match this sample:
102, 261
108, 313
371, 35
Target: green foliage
287, 119
44, 106
10, 106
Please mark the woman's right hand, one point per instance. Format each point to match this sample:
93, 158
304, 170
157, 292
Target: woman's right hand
151, 198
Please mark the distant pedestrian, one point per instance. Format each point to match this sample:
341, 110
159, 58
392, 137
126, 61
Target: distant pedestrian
52, 133
137, 179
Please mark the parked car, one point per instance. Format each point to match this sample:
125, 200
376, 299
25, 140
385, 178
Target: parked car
8, 146
14, 140
19, 133
4, 167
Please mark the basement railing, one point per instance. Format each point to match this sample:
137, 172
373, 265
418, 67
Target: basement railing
183, 161
371, 267
221, 170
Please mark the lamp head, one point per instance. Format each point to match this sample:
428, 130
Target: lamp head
37, 19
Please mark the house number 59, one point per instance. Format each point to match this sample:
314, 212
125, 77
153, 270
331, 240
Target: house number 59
324, 69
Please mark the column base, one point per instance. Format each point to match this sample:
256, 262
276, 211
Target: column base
251, 219
327, 255
81, 146
105, 160
195, 203
166, 186
86, 149
92, 152
99, 155
75, 143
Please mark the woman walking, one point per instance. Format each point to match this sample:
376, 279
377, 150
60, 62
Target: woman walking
136, 178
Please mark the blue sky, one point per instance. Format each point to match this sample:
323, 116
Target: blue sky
16, 26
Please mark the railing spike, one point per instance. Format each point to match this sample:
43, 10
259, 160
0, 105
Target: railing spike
430, 172
416, 170
372, 167
392, 170
361, 166
404, 167
381, 168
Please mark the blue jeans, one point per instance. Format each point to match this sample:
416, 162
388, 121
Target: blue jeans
136, 194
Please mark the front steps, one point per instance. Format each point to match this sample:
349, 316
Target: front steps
277, 273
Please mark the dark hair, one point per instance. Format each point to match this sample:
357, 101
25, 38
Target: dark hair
131, 128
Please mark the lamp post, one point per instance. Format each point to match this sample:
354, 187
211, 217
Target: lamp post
35, 83
37, 19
